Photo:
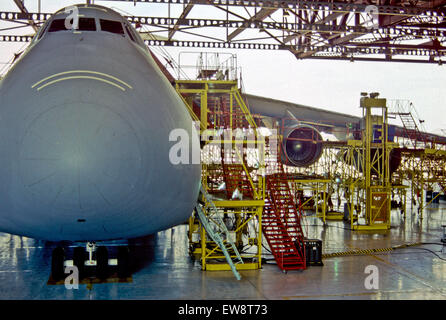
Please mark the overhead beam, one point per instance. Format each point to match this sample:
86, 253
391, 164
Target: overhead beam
407, 50
423, 30
353, 59
327, 31
259, 16
22, 8
328, 18
187, 9
405, 7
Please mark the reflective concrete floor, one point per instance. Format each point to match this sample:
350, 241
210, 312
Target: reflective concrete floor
165, 271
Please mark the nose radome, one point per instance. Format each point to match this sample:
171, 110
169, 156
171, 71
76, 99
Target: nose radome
79, 157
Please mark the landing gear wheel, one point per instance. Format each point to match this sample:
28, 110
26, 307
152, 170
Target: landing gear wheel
57, 264
79, 260
123, 262
102, 270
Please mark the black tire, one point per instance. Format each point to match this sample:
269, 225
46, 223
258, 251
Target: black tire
57, 264
102, 270
123, 262
79, 261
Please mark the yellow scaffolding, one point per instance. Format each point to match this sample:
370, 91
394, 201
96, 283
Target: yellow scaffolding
373, 189
361, 169
426, 171
223, 115
319, 189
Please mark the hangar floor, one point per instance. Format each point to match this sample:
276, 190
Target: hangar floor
165, 271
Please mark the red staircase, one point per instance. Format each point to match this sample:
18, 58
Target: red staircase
281, 223
280, 220
234, 174
236, 117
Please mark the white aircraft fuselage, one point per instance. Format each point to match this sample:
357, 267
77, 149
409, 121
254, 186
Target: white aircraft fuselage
85, 117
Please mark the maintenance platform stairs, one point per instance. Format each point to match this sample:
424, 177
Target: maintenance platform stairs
235, 176
232, 178
281, 218
411, 129
281, 224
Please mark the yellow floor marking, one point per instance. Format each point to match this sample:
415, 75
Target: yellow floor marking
332, 295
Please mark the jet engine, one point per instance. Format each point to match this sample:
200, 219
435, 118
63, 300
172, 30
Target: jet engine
302, 145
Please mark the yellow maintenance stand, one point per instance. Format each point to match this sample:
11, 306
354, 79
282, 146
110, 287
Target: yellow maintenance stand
426, 171
319, 190
232, 157
370, 191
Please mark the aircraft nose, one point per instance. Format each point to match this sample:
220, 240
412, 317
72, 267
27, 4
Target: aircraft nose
80, 157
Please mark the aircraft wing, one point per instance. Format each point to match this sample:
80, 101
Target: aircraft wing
323, 120
277, 109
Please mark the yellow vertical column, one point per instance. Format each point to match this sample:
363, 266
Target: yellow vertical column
204, 107
231, 106
324, 206
367, 140
259, 236
203, 247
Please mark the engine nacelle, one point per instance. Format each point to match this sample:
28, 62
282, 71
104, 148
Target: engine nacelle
302, 145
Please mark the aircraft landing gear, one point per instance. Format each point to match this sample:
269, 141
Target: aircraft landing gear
57, 264
123, 262
79, 261
97, 260
102, 270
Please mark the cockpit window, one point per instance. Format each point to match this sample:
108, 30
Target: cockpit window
111, 26
85, 24
57, 25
